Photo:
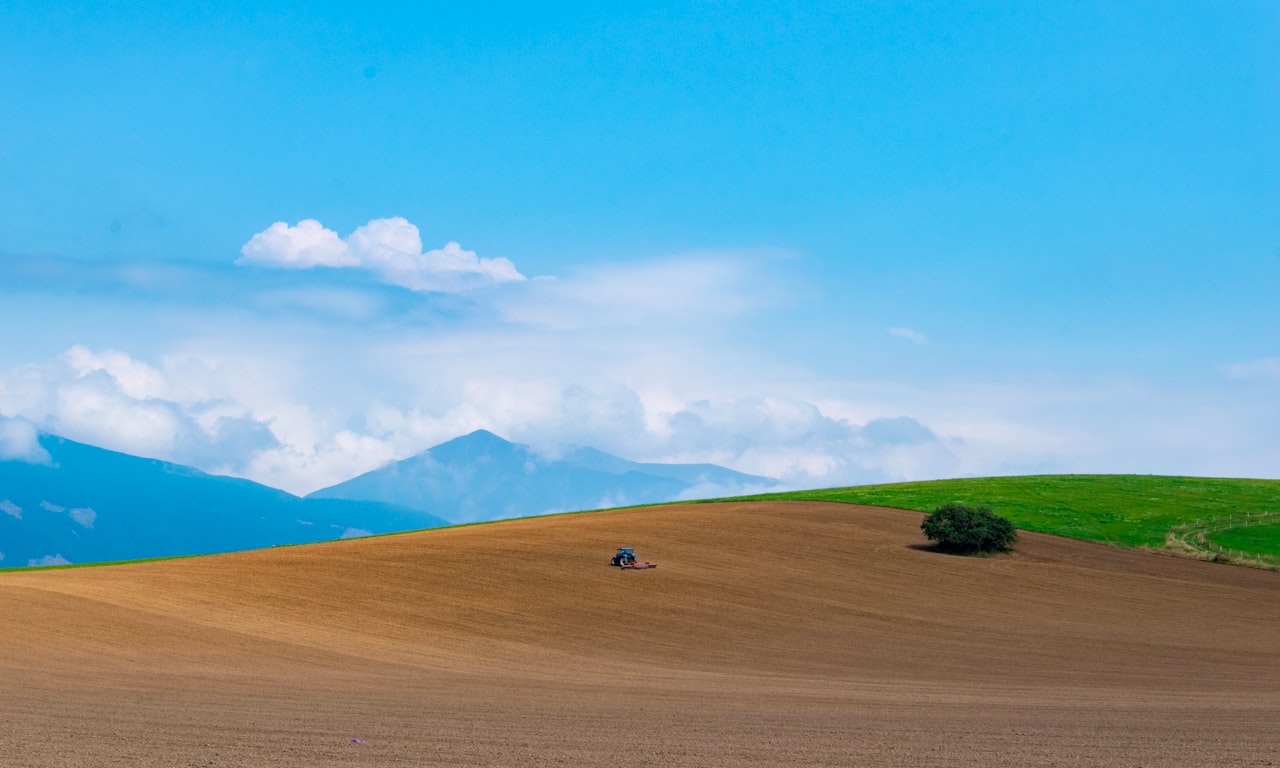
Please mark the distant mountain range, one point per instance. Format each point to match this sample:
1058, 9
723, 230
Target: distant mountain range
89, 504
92, 505
481, 476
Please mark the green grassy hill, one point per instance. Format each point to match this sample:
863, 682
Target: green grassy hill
1126, 510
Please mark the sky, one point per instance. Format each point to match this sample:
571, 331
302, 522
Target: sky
829, 243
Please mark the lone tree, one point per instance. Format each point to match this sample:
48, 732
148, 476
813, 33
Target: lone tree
968, 530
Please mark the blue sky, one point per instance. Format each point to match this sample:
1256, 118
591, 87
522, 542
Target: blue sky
830, 243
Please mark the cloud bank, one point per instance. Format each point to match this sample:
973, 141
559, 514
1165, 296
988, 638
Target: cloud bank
301, 377
390, 248
244, 419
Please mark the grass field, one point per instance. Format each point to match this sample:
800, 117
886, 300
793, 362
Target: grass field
1258, 539
1127, 510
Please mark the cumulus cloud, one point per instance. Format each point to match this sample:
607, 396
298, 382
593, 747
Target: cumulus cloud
236, 417
11, 509
132, 378
305, 245
391, 248
94, 406
187, 410
797, 442
305, 461
48, 560
20, 441
915, 337
49, 506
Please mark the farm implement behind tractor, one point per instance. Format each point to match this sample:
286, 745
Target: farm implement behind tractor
626, 559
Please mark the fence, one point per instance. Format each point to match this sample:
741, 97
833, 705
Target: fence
1194, 538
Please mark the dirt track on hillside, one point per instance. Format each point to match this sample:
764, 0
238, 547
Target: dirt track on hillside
799, 634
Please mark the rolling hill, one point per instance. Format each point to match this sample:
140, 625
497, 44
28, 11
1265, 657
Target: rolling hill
772, 633
1125, 510
88, 504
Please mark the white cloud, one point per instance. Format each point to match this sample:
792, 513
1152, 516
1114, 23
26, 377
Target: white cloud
301, 424
308, 428
11, 509
797, 442
84, 516
383, 241
220, 415
308, 244
391, 248
790, 439
307, 460
188, 409
49, 506
690, 359
98, 410
915, 337
48, 560
20, 440
131, 377
301, 412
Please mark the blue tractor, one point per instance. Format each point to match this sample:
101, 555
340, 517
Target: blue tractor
626, 558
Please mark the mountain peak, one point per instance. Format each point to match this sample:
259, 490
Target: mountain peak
470, 447
479, 435
478, 438
481, 476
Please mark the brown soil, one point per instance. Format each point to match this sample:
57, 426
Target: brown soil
799, 634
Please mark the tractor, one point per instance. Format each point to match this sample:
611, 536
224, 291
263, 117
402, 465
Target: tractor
626, 559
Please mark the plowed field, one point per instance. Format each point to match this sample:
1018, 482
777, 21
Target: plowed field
771, 634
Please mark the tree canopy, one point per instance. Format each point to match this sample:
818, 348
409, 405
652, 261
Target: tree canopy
963, 529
